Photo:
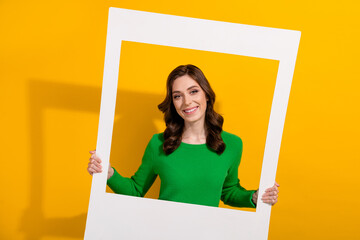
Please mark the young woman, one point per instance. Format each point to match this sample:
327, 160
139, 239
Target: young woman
195, 159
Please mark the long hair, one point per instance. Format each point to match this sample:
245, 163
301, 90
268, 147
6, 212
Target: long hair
175, 123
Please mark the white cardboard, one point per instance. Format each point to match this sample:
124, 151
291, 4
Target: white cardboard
114, 216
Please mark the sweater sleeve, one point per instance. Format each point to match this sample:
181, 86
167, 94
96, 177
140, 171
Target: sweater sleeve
140, 182
233, 193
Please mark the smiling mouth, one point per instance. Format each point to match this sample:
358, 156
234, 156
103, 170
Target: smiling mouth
191, 110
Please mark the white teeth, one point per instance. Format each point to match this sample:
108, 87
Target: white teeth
191, 110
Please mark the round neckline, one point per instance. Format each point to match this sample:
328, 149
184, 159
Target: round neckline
188, 145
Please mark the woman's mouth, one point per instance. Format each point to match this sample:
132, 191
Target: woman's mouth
189, 111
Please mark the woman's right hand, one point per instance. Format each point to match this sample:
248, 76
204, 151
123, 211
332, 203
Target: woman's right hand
94, 165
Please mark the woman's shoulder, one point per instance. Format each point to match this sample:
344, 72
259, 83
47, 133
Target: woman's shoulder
231, 139
157, 138
155, 143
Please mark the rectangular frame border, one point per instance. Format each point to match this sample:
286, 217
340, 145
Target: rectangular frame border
105, 214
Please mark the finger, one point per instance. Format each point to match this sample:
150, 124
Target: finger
268, 193
95, 168
97, 165
92, 151
272, 193
90, 171
271, 202
269, 199
270, 189
276, 185
265, 195
274, 188
95, 157
94, 163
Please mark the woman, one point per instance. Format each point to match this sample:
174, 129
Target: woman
195, 159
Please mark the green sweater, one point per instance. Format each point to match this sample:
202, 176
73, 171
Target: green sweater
193, 173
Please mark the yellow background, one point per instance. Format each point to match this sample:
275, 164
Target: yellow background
51, 65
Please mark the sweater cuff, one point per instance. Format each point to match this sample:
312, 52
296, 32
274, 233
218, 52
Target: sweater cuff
114, 179
251, 202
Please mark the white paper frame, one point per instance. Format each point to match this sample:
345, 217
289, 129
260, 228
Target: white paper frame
114, 216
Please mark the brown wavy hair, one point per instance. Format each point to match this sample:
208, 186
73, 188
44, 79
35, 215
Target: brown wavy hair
175, 123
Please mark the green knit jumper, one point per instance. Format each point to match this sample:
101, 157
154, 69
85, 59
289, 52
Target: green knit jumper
193, 173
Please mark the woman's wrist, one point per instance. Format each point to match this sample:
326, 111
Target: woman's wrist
110, 173
255, 197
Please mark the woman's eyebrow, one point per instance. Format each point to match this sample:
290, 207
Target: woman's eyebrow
194, 86
186, 89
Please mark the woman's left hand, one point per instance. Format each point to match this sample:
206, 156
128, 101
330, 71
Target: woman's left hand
270, 196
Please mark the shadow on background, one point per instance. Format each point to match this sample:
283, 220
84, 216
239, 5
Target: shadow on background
134, 125
133, 128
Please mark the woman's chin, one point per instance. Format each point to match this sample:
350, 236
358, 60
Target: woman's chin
193, 119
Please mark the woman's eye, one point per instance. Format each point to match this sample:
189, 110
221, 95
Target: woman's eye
176, 96
194, 91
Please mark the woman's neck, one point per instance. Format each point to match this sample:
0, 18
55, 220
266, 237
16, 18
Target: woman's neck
194, 133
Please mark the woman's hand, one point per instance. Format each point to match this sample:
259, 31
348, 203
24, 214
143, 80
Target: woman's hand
270, 196
94, 165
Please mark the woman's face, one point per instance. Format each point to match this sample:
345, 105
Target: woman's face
189, 99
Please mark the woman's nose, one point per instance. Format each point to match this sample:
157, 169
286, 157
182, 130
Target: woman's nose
187, 100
